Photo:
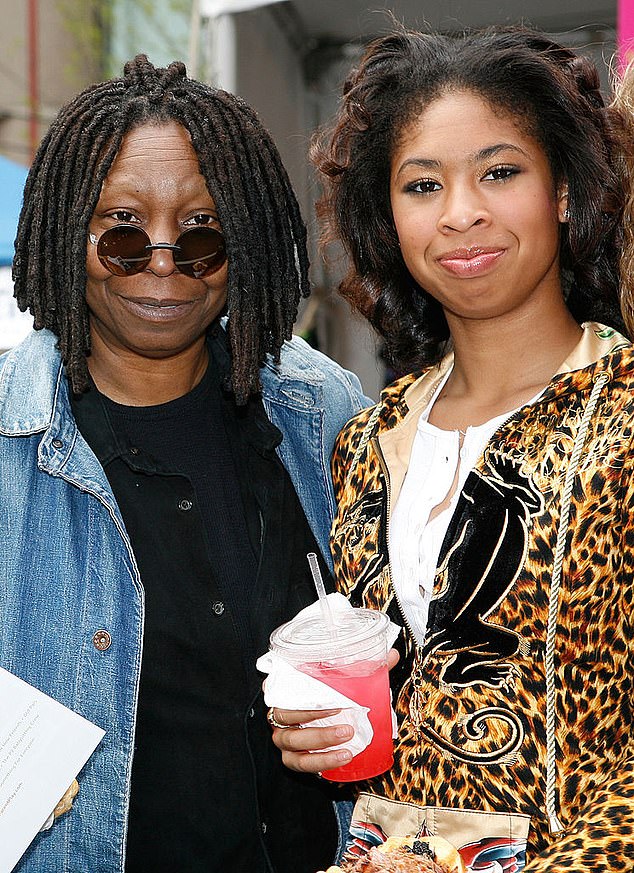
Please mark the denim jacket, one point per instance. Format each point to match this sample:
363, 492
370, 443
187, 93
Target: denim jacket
68, 573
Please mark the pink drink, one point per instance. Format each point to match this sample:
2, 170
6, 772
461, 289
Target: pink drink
350, 656
365, 682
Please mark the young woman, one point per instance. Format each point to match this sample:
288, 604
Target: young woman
486, 502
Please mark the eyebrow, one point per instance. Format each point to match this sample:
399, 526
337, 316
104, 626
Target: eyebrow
479, 156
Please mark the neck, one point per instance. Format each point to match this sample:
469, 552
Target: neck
133, 380
504, 358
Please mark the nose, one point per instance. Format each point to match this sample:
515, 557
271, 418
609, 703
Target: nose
162, 232
463, 208
162, 260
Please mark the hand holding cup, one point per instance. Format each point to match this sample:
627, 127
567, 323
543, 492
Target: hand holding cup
301, 745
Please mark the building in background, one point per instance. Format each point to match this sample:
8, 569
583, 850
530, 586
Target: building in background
286, 58
50, 49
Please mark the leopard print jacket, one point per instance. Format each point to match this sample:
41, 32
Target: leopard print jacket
520, 698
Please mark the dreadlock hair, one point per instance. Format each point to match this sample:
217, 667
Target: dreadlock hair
549, 92
257, 209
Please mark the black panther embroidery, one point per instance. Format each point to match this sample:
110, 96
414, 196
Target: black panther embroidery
488, 535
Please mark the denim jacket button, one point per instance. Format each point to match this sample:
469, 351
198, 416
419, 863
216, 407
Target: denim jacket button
185, 505
218, 607
101, 640
58, 444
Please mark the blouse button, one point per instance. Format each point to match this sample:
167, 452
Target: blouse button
101, 640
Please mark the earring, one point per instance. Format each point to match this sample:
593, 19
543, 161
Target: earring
566, 214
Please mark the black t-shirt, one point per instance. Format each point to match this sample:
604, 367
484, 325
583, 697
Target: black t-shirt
187, 439
195, 517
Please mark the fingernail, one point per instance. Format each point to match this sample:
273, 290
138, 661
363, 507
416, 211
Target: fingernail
343, 732
344, 756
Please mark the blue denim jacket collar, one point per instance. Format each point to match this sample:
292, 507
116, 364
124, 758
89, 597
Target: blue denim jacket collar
34, 398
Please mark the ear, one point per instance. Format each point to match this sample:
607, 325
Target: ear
563, 213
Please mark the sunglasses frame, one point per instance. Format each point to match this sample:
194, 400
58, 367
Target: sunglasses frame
142, 263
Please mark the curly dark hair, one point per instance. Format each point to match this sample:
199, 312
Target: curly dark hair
554, 96
260, 218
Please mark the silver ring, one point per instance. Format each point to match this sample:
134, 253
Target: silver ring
270, 717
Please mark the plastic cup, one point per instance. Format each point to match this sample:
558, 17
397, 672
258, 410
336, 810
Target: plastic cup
350, 657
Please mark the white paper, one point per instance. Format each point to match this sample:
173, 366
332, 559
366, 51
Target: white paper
43, 746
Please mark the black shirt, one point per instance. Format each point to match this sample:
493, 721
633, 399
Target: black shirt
204, 499
187, 440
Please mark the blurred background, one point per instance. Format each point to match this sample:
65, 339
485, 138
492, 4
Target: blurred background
286, 58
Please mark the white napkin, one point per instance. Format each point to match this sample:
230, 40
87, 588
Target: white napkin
289, 688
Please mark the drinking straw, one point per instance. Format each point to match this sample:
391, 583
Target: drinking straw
321, 593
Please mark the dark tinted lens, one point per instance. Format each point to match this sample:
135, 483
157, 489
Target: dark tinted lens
201, 251
122, 250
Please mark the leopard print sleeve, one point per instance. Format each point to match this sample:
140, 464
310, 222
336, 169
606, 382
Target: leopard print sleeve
345, 448
601, 839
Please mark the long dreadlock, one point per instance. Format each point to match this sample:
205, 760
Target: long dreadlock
258, 212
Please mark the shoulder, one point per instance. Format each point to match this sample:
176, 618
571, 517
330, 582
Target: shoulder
302, 368
374, 419
619, 365
37, 346
390, 406
298, 358
29, 375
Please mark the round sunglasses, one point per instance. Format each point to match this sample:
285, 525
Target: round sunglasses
126, 249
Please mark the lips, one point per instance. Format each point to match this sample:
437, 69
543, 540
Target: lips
157, 310
158, 304
470, 261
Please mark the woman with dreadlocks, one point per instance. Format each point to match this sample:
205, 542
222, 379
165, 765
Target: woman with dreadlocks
162, 474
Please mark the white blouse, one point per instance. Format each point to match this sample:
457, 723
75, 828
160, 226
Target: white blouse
437, 459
